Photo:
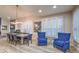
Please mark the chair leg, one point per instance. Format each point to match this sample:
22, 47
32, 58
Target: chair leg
15, 42
9, 40
28, 42
64, 50
20, 41
31, 41
24, 41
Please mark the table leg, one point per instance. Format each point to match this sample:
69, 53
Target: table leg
21, 40
28, 42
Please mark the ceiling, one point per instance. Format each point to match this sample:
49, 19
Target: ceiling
32, 10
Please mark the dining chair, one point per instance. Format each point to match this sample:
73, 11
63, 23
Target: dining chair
27, 39
16, 39
8, 37
13, 38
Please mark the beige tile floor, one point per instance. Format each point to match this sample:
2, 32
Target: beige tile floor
6, 47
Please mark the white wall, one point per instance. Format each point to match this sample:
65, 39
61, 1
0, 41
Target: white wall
68, 22
25, 26
6, 22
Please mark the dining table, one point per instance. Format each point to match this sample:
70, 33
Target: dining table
22, 36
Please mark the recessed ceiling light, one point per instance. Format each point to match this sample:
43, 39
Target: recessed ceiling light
40, 11
54, 6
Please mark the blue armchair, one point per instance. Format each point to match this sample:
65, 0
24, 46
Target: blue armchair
42, 40
62, 42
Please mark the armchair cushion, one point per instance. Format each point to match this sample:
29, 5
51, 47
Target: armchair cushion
59, 43
42, 39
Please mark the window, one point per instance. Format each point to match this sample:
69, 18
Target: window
52, 26
76, 24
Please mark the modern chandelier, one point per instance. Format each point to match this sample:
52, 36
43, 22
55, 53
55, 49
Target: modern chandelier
16, 18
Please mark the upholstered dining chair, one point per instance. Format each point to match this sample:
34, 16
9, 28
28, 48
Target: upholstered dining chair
15, 39
30, 37
27, 39
8, 37
11, 40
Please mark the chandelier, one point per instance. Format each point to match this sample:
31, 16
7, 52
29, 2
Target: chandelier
16, 17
